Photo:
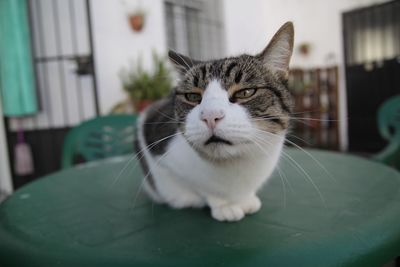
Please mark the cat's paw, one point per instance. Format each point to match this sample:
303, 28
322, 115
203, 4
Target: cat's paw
251, 205
228, 213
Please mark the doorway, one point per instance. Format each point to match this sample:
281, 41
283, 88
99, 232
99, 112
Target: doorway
372, 58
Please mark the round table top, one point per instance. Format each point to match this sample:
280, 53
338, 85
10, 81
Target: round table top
83, 217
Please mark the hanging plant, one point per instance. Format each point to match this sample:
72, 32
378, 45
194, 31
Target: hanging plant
136, 20
304, 48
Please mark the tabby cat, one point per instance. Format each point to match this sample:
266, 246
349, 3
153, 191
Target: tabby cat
218, 137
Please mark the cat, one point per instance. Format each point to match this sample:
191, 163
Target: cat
218, 137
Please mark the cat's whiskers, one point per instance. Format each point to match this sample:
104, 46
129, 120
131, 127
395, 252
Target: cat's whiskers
289, 116
292, 161
303, 120
162, 122
145, 179
281, 172
149, 147
305, 112
193, 131
245, 70
167, 116
261, 118
236, 135
283, 187
280, 175
304, 151
298, 138
311, 119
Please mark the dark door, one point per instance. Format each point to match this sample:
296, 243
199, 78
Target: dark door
372, 56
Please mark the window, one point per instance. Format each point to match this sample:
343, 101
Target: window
372, 33
195, 28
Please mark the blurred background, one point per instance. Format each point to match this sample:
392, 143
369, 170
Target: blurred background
63, 62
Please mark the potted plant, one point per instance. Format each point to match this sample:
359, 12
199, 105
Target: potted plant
136, 20
144, 87
304, 48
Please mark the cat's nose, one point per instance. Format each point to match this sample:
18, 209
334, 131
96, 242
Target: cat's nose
211, 117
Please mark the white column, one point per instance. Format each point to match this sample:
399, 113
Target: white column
5, 174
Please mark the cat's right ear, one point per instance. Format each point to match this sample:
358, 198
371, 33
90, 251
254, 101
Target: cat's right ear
181, 62
277, 54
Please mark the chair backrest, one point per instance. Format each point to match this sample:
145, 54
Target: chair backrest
100, 138
389, 119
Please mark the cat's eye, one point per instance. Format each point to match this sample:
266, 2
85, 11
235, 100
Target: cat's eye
193, 97
244, 93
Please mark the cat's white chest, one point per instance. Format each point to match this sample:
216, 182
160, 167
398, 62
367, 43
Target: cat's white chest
232, 179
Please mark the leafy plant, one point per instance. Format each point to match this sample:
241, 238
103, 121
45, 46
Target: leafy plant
144, 85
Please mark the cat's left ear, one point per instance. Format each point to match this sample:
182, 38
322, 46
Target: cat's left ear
277, 54
181, 62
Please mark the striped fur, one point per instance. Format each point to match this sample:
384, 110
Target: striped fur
195, 160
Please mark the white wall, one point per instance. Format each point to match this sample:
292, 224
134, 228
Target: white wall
5, 176
116, 45
248, 27
250, 24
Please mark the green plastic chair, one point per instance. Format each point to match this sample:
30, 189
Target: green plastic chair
389, 128
99, 138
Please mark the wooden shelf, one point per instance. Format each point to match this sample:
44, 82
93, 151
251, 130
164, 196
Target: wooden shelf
315, 116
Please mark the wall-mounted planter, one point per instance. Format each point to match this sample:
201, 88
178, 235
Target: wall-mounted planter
137, 22
304, 49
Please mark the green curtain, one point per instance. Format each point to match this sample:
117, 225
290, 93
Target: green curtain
17, 82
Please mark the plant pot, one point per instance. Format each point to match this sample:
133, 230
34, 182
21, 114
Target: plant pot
304, 49
136, 22
142, 104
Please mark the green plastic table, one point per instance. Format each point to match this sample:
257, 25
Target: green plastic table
83, 217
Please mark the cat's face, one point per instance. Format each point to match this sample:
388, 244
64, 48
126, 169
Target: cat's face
228, 104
